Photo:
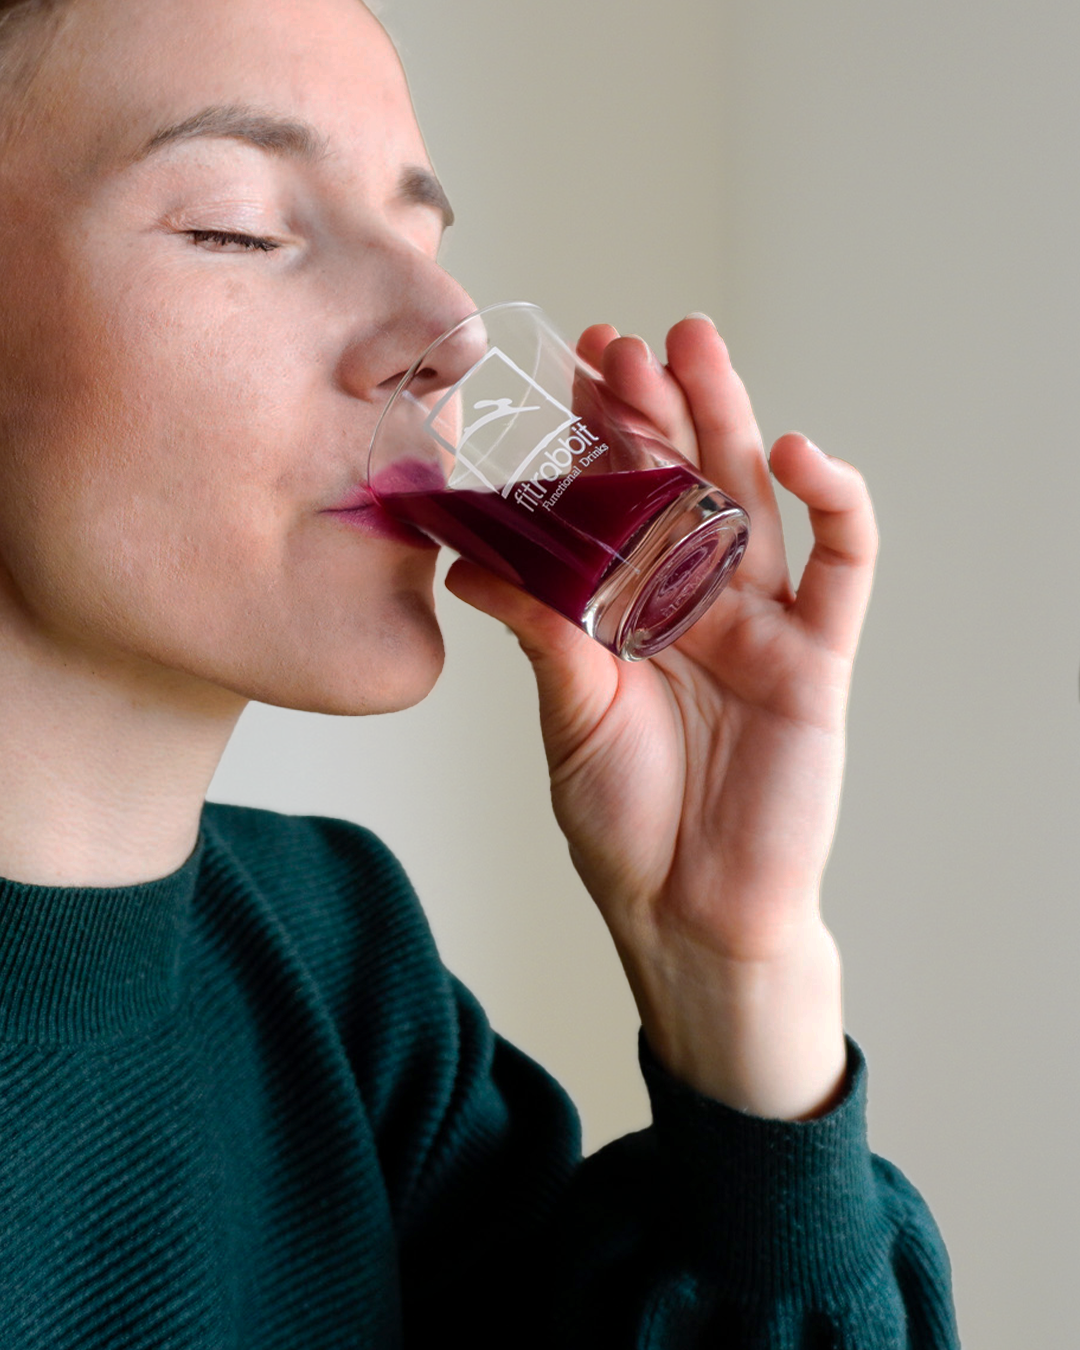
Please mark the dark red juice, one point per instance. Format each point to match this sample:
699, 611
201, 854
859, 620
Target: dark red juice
560, 552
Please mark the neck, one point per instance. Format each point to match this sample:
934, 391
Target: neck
103, 771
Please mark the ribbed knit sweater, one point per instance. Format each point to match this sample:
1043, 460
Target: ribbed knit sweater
246, 1106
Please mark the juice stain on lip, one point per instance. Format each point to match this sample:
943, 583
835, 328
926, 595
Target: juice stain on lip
369, 518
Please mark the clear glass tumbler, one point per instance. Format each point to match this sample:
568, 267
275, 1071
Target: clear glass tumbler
503, 444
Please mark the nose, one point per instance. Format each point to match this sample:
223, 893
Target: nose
417, 303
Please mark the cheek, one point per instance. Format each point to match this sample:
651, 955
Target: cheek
173, 404
154, 446
159, 495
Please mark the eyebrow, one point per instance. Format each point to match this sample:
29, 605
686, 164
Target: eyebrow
287, 137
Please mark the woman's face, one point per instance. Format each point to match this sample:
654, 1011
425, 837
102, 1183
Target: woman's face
219, 228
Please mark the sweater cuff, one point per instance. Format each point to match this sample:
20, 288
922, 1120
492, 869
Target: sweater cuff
780, 1205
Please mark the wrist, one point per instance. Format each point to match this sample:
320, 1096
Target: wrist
764, 1037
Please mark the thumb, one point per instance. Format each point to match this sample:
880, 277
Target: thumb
576, 678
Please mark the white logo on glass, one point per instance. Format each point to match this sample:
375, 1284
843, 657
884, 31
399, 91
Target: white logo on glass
504, 396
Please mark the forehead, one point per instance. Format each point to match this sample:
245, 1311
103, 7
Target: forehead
119, 70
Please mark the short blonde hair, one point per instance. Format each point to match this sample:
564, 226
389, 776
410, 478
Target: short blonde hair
27, 28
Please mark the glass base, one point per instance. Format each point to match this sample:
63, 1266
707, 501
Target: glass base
669, 576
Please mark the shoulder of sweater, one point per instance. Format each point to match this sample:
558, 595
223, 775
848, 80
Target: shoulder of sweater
336, 907
334, 886
259, 835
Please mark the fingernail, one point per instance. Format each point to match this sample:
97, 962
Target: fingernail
697, 314
817, 449
653, 361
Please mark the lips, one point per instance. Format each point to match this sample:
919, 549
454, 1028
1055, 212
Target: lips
360, 510
358, 498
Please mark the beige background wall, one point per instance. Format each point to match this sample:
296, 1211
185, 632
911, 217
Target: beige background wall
879, 205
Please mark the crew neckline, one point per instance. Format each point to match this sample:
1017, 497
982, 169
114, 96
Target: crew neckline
81, 963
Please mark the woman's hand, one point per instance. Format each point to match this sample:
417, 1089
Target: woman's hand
698, 790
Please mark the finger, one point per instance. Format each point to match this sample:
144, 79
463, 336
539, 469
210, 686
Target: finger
592, 342
633, 373
835, 585
732, 454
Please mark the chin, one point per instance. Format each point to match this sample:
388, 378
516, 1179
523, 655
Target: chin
387, 672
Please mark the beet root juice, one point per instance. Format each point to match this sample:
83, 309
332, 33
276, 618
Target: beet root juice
634, 557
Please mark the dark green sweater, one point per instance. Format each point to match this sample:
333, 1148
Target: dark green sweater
245, 1106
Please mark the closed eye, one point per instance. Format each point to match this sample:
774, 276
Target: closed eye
226, 241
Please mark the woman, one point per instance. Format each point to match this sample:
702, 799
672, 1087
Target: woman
242, 1102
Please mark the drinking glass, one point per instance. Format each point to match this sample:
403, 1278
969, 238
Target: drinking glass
503, 444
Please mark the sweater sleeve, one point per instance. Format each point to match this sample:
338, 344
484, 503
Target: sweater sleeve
709, 1229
